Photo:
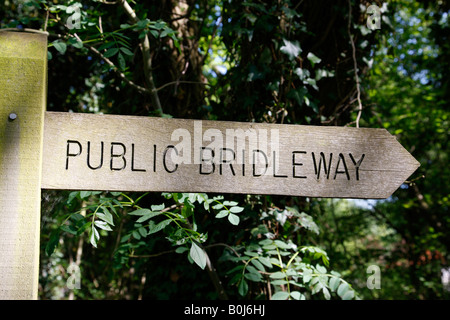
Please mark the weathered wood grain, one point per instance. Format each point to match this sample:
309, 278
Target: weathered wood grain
23, 89
365, 163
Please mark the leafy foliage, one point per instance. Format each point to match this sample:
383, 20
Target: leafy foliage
278, 62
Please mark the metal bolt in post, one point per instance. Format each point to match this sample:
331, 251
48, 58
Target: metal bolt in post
12, 116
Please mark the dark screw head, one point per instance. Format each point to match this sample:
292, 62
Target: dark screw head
12, 116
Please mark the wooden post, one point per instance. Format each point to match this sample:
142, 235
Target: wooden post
23, 92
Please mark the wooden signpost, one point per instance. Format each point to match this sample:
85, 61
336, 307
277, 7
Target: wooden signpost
23, 91
117, 153
49, 150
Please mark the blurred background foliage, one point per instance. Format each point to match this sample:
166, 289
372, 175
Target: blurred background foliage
265, 61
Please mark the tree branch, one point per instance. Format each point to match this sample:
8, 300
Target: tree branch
223, 245
355, 64
110, 2
146, 55
178, 82
151, 255
117, 71
147, 59
215, 278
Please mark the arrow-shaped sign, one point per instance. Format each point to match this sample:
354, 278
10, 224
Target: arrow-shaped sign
127, 153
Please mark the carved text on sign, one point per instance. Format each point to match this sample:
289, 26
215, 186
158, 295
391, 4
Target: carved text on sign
117, 156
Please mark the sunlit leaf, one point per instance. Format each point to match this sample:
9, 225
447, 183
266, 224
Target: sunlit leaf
280, 295
198, 255
234, 219
291, 49
60, 46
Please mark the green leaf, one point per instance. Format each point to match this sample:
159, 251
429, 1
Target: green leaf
325, 260
60, 46
297, 295
142, 231
230, 203
326, 293
278, 275
302, 74
106, 216
155, 228
140, 212
121, 59
57, 8
222, 214
342, 290
148, 216
265, 261
76, 217
136, 235
313, 58
348, 295
186, 210
141, 24
103, 47
270, 247
236, 209
181, 250
153, 32
334, 283
280, 295
243, 287
307, 275
94, 237
292, 272
321, 269
102, 225
298, 95
282, 245
307, 222
217, 206
266, 242
256, 277
291, 49
75, 43
257, 6
251, 254
78, 45
84, 227
238, 270
198, 255
258, 265
278, 282
72, 196
166, 31
111, 52
158, 25
52, 242
234, 219
157, 207
192, 197
85, 194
